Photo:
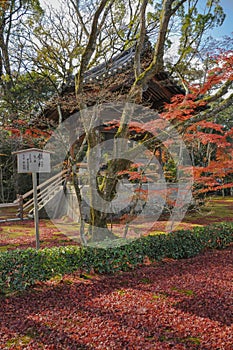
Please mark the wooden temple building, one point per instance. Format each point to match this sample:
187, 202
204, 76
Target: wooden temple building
107, 82
110, 82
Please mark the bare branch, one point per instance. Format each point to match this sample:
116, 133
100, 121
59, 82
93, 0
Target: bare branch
142, 34
75, 4
157, 63
90, 47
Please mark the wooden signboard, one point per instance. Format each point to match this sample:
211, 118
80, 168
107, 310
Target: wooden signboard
34, 160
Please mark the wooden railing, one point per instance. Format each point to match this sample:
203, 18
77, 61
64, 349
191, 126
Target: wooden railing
24, 204
9, 211
45, 192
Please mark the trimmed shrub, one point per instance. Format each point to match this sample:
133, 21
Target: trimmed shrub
20, 269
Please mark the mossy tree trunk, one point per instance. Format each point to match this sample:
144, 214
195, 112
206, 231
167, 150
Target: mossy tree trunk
107, 189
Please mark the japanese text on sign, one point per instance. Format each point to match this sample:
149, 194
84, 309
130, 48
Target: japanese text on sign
33, 161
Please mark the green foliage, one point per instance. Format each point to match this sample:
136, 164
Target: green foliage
22, 268
18, 79
170, 170
25, 93
195, 22
11, 182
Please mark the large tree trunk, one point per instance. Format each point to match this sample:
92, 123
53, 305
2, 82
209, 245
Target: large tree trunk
99, 194
98, 228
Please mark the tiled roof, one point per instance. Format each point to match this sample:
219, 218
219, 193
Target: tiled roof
114, 78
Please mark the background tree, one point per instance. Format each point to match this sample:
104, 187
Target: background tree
202, 116
14, 75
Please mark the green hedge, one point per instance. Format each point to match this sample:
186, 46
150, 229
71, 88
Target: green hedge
22, 268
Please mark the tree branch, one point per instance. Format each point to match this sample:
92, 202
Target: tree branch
221, 92
158, 59
142, 34
80, 17
90, 48
209, 114
178, 6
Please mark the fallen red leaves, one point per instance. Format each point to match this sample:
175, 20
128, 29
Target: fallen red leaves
185, 304
21, 235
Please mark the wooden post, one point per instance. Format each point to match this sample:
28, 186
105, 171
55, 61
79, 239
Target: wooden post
36, 216
20, 203
34, 160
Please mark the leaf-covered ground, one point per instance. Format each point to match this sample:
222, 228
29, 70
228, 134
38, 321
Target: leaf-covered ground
185, 304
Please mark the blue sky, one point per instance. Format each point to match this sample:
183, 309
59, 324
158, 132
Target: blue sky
227, 27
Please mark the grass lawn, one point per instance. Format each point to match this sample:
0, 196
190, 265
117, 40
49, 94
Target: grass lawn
217, 209
21, 234
64, 232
